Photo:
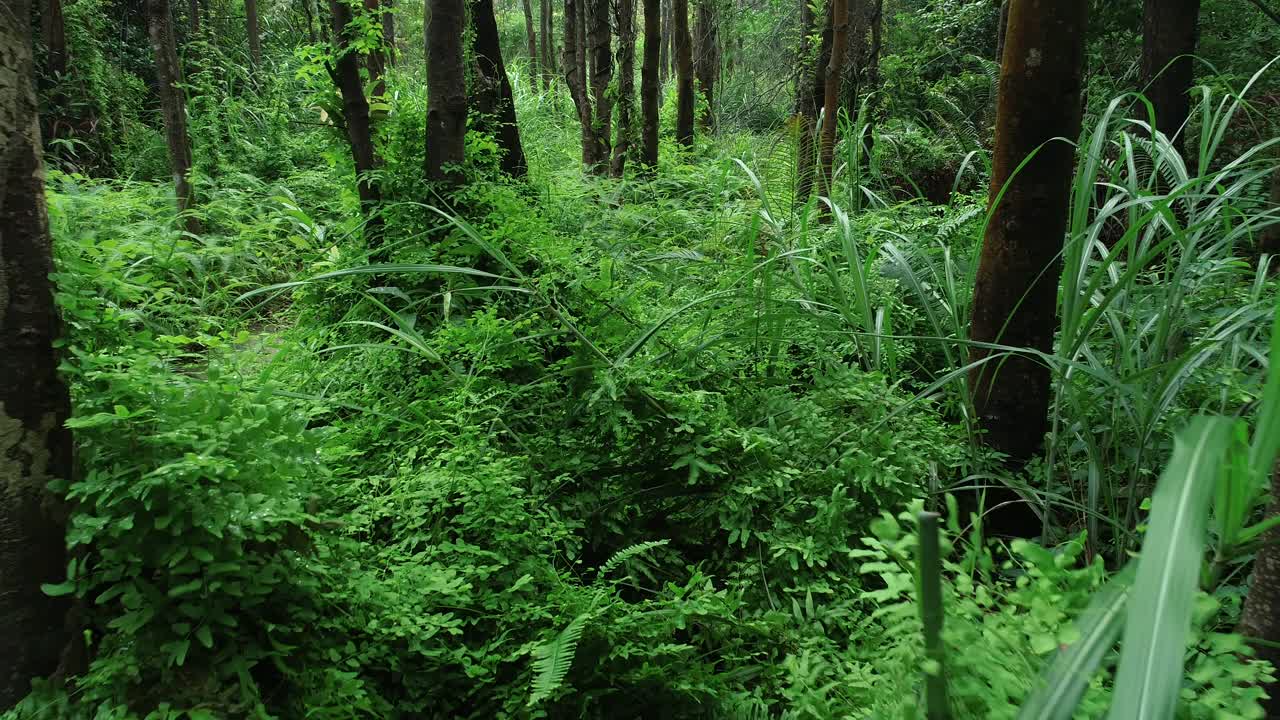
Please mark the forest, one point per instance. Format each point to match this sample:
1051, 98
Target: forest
662, 359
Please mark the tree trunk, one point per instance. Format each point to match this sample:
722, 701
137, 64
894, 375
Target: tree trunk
575, 70
546, 20
664, 49
193, 18
809, 97
355, 115
625, 143
35, 447
389, 31
601, 76
1269, 241
831, 98
684, 73
54, 33
707, 64
649, 82
531, 36
1261, 617
251, 28
173, 103
1015, 295
1169, 33
1001, 27
308, 9
446, 92
492, 92
376, 62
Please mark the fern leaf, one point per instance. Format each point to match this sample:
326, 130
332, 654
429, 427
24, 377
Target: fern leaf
553, 660
627, 553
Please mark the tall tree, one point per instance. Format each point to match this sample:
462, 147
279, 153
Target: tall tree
53, 31
1169, 33
649, 83
356, 118
831, 95
684, 72
624, 21
546, 20
173, 104
601, 76
376, 59
575, 71
664, 50
193, 18
707, 59
1261, 617
446, 91
1016, 290
389, 32
492, 95
1001, 26
35, 446
810, 92
253, 31
531, 36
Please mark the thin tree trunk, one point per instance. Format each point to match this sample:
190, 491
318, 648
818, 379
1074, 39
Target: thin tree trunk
545, 20
1269, 242
601, 76
310, 10
446, 92
684, 73
389, 32
173, 103
625, 23
831, 101
664, 51
355, 115
251, 28
54, 33
1261, 617
810, 91
1001, 28
492, 92
649, 83
1016, 289
531, 35
376, 62
707, 64
575, 69
1169, 34
35, 446
193, 18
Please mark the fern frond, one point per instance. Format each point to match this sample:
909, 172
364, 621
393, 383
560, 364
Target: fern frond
553, 659
627, 553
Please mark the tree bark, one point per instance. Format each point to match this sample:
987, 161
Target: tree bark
492, 92
35, 446
1015, 295
53, 30
831, 98
193, 18
684, 72
649, 82
446, 92
624, 145
531, 36
389, 32
707, 62
1002, 26
1261, 617
1269, 241
355, 115
575, 70
546, 20
376, 61
251, 28
601, 76
1169, 34
664, 49
810, 92
173, 104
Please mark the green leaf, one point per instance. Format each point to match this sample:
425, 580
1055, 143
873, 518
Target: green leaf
1150, 672
555, 658
58, 589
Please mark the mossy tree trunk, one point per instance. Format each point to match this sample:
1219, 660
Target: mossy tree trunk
810, 92
173, 104
35, 446
601, 41
492, 94
546, 20
707, 60
531, 37
650, 82
253, 30
831, 97
575, 76
624, 144
1261, 617
446, 92
1015, 296
683, 46
1169, 34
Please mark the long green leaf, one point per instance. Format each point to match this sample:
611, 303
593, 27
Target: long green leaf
1151, 662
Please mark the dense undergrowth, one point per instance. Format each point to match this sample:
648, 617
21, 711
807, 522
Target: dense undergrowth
594, 448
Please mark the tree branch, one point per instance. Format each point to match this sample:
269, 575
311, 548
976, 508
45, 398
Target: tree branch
1275, 16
